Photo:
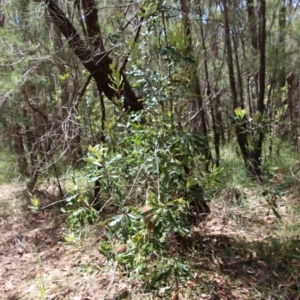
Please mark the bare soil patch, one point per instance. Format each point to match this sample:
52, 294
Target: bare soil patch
35, 262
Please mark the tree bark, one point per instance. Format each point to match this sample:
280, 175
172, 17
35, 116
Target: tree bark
2, 14
209, 95
256, 153
251, 155
199, 207
252, 24
281, 43
97, 62
240, 129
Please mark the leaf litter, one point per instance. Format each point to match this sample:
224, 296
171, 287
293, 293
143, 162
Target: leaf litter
238, 257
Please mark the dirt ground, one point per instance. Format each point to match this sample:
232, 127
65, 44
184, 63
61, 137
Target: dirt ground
40, 259
37, 263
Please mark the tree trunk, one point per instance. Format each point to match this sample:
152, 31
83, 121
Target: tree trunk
199, 207
97, 63
281, 44
240, 129
2, 14
209, 95
19, 149
251, 155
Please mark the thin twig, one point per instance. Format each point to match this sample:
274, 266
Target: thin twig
135, 180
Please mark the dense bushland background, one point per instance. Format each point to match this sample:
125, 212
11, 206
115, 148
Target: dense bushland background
166, 129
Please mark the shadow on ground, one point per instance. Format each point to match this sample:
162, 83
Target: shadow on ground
237, 269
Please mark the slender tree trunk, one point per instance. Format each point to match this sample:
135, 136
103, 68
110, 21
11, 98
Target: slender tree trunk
238, 71
251, 155
19, 149
2, 14
252, 24
97, 188
198, 122
209, 95
240, 129
252, 76
281, 44
199, 206
258, 142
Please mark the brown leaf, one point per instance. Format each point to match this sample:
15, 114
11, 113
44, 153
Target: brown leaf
175, 296
192, 283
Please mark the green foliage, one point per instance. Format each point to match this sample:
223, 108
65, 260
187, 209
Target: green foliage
147, 248
153, 167
240, 113
271, 196
150, 159
35, 203
154, 159
117, 83
78, 208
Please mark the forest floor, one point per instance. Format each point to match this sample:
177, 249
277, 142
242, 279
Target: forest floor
245, 252
37, 263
